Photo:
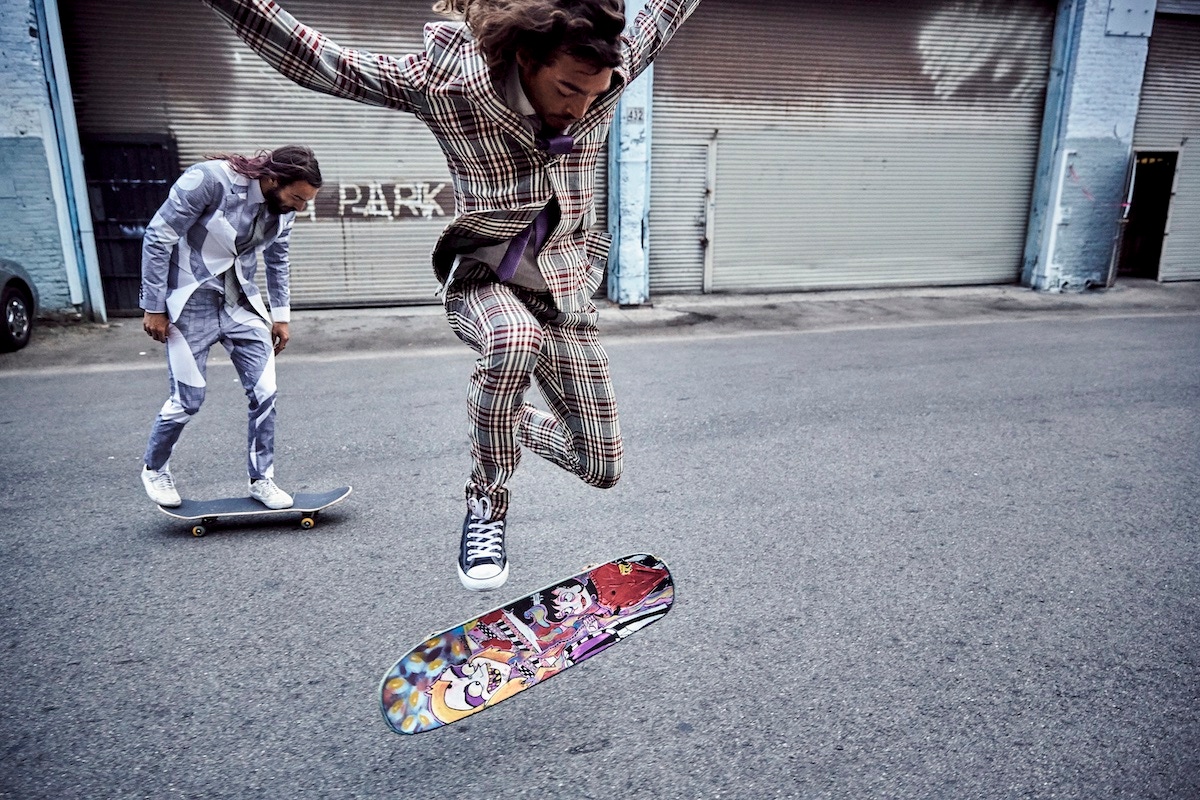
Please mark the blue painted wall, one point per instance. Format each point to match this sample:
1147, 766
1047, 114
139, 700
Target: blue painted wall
1087, 143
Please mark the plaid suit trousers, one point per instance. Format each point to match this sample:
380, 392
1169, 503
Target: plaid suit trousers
520, 335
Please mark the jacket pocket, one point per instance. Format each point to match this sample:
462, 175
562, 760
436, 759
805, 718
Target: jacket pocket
596, 245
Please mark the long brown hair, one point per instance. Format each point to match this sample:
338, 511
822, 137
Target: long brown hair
287, 164
589, 30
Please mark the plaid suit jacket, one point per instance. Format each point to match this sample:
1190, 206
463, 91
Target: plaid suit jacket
502, 181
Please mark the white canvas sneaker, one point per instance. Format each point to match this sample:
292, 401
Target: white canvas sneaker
266, 492
160, 486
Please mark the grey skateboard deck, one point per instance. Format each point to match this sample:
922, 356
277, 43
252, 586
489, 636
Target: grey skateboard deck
206, 512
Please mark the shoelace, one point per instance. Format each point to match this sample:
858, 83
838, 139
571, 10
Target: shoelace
267, 488
485, 539
162, 480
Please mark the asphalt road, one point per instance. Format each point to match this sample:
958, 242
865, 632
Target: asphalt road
947, 558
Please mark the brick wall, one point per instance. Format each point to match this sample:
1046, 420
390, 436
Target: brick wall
29, 231
1091, 156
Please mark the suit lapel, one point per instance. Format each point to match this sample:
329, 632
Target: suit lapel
598, 113
477, 81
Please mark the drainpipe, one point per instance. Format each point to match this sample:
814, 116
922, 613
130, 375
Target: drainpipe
629, 189
63, 208
84, 269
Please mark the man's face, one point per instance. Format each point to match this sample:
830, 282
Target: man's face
289, 197
563, 90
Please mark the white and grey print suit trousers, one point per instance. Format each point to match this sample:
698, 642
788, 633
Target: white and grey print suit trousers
204, 321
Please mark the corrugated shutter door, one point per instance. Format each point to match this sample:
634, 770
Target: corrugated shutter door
1169, 119
858, 143
140, 67
677, 228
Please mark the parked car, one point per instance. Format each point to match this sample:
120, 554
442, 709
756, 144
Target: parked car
18, 301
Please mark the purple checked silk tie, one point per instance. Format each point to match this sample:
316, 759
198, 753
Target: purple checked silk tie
556, 144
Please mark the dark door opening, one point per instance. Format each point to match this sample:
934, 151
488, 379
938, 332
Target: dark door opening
128, 179
1146, 225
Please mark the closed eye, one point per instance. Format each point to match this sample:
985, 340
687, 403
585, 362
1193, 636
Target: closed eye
571, 90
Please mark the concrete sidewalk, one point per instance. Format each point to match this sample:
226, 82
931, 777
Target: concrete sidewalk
346, 332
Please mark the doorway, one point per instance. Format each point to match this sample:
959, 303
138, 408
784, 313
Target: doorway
1149, 208
680, 216
128, 178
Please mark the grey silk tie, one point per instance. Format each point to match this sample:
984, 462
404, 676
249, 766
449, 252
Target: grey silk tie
232, 289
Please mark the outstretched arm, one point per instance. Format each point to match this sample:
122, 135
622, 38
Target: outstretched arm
308, 57
653, 28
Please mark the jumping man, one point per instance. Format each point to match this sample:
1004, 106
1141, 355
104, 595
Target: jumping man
520, 95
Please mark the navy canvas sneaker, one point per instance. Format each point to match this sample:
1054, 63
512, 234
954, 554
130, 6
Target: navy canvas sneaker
482, 564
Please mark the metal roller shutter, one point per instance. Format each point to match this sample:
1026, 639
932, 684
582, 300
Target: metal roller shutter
1169, 119
678, 228
860, 143
141, 67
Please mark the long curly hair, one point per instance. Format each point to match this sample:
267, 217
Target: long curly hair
287, 164
589, 30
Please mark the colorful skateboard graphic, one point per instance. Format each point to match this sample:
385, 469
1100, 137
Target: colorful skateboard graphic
485, 660
205, 512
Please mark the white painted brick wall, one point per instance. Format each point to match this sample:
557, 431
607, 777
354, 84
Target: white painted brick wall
29, 231
1101, 111
1108, 80
22, 81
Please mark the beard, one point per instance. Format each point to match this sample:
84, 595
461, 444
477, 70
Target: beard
274, 202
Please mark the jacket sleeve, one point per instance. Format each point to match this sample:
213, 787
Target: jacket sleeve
275, 261
193, 193
652, 29
309, 58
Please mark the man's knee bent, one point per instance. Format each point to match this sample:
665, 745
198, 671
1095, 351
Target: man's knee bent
513, 348
183, 405
602, 475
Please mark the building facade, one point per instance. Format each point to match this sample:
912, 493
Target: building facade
778, 145
1162, 221
39, 226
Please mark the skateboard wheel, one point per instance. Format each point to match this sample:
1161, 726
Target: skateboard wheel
308, 523
198, 530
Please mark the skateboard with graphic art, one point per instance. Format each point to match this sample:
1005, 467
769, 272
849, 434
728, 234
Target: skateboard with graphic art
203, 513
487, 659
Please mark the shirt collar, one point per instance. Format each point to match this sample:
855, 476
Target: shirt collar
254, 193
514, 94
